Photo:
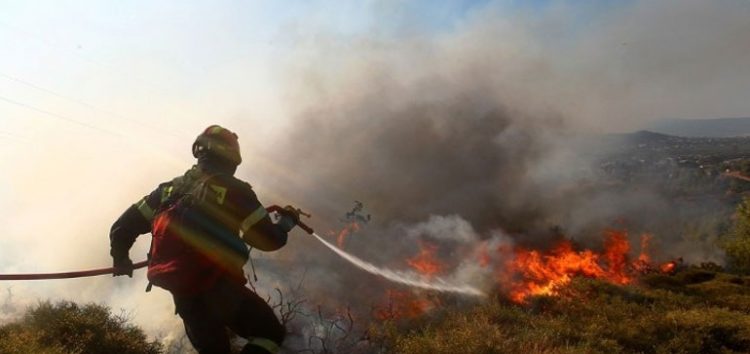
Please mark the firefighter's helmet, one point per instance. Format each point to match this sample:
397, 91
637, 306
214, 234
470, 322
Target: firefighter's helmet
219, 142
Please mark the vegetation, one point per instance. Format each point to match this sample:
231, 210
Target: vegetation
66, 327
695, 311
736, 243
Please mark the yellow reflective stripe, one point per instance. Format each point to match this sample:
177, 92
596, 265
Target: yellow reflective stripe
166, 193
221, 193
145, 210
253, 218
266, 344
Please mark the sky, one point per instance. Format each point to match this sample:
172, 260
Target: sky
163, 69
101, 100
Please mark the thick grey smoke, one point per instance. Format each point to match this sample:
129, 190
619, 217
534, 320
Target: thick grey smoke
486, 121
478, 133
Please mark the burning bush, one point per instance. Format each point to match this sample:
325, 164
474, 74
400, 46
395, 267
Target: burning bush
569, 299
529, 272
593, 315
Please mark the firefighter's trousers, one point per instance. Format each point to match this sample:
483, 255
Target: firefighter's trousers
227, 305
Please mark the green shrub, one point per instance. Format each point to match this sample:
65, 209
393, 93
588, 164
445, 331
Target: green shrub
66, 327
736, 243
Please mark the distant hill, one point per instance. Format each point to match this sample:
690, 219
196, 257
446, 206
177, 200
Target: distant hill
630, 140
645, 136
714, 128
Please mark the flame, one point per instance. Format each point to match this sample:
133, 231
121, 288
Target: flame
643, 263
669, 267
538, 273
344, 233
483, 255
616, 249
645, 244
425, 262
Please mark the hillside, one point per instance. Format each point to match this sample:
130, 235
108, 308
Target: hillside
714, 128
699, 309
695, 311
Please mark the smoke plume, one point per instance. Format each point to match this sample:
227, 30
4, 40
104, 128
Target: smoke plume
486, 120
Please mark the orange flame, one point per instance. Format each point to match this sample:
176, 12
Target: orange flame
616, 248
425, 262
540, 273
342, 235
483, 255
643, 263
645, 244
669, 267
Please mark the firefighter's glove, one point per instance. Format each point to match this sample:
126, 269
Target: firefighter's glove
122, 266
289, 218
292, 212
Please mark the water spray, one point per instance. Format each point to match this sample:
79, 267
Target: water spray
402, 277
407, 278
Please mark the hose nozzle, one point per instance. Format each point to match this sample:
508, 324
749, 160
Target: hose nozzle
293, 213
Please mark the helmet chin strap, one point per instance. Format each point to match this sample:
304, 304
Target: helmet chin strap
216, 164
200, 146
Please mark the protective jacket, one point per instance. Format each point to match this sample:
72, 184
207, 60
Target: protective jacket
217, 233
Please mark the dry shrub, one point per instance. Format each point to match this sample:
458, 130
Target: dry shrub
696, 312
66, 327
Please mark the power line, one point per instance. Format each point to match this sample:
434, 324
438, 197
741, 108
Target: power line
54, 45
53, 93
58, 116
83, 103
69, 119
11, 136
110, 68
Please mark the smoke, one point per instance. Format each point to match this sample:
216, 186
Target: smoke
446, 228
487, 119
482, 129
62, 196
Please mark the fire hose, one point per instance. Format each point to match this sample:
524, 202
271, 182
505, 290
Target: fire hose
401, 277
110, 270
66, 275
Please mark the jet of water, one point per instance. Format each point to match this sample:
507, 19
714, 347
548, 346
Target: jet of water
402, 277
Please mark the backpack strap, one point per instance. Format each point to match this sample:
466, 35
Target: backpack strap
192, 180
180, 187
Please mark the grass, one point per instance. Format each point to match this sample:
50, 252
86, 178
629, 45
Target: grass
694, 311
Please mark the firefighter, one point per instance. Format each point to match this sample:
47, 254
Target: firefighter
201, 224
